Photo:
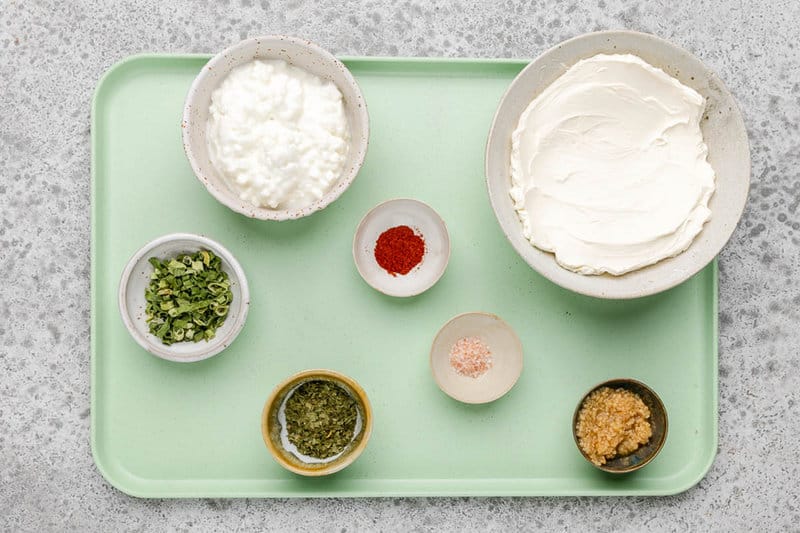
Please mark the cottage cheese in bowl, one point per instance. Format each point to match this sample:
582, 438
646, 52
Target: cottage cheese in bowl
277, 134
609, 167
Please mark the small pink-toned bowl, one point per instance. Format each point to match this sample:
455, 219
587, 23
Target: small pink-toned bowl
507, 356
299, 53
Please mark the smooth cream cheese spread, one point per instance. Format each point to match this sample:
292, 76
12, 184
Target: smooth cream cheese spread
277, 134
609, 168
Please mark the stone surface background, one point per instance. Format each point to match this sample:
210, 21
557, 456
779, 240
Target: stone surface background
51, 56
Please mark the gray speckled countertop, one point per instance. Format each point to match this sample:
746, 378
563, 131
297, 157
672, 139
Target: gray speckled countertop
52, 54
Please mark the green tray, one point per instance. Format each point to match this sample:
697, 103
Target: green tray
162, 429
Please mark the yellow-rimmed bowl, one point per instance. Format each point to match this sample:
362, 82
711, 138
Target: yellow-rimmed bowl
271, 427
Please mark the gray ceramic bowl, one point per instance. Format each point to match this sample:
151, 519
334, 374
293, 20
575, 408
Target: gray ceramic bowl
723, 131
658, 423
132, 304
297, 52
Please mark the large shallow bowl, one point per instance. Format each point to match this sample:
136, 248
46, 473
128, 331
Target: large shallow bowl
723, 131
300, 53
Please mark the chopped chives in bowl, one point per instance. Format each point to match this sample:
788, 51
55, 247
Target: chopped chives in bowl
188, 297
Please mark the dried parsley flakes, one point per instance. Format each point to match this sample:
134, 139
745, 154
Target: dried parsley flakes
320, 418
188, 297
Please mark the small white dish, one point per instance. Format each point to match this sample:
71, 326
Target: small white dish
723, 132
425, 222
505, 347
136, 278
299, 53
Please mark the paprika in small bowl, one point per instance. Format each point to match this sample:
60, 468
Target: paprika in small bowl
401, 247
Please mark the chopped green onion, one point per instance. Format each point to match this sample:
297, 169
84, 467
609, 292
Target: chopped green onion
188, 297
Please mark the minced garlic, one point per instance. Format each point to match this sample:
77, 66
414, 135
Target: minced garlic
611, 423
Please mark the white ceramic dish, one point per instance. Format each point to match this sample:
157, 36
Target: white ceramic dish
507, 356
300, 53
426, 222
132, 304
723, 131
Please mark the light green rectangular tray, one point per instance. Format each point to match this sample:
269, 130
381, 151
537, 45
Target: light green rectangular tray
163, 429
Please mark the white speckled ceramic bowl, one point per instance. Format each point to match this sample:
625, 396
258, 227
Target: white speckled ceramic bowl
132, 304
723, 131
507, 356
425, 222
297, 52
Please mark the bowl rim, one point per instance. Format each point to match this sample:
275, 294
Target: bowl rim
599, 290
383, 205
507, 326
218, 344
622, 382
225, 197
322, 374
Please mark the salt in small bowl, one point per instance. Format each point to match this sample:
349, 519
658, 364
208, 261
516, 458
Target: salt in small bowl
658, 422
271, 429
507, 358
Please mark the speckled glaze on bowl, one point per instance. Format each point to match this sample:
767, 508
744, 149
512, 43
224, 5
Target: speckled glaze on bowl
132, 304
507, 355
658, 423
426, 222
300, 53
723, 130
270, 426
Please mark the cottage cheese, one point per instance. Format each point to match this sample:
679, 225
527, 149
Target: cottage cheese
608, 166
277, 134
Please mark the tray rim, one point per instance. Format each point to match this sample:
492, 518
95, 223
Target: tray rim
431, 490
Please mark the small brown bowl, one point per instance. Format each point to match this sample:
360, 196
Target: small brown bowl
658, 423
271, 427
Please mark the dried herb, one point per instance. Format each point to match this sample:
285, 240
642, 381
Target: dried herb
188, 297
320, 418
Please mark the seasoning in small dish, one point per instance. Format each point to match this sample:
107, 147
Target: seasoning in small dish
612, 423
476, 358
399, 249
628, 436
318, 420
138, 276
471, 357
188, 297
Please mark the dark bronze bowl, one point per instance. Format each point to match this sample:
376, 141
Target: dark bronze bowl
658, 422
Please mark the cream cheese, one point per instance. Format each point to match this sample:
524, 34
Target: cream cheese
277, 134
609, 168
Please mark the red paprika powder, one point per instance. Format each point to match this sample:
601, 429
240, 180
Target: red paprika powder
399, 249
